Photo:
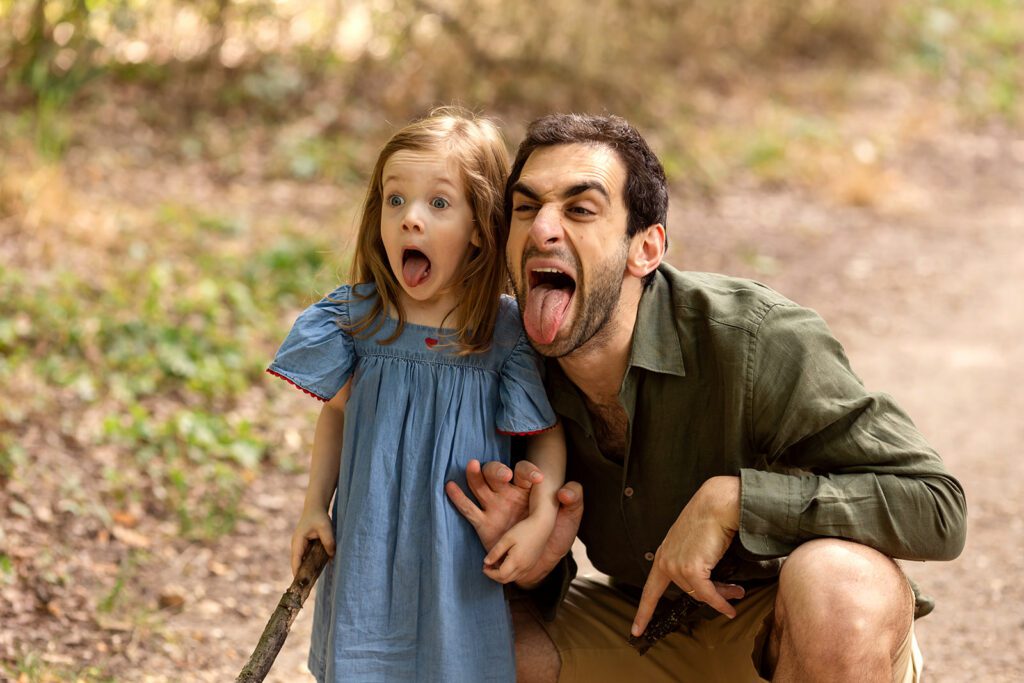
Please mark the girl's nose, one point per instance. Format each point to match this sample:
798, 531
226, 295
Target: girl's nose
412, 221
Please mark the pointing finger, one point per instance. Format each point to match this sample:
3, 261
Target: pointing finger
655, 586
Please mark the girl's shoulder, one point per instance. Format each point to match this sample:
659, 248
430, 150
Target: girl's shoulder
508, 329
357, 299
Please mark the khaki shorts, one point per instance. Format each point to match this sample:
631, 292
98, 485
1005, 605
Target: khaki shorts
593, 623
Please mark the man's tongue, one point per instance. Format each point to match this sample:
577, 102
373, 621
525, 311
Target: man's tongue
545, 309
415, 269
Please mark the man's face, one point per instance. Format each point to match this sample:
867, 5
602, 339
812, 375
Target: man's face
567, 246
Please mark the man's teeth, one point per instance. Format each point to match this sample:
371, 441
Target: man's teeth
548, 270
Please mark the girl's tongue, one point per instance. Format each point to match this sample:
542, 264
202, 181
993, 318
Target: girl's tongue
415, 267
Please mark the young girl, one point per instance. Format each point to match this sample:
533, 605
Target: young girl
422, 365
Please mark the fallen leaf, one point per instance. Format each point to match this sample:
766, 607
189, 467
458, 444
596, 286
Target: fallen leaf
132, 539
125, 519
172, 598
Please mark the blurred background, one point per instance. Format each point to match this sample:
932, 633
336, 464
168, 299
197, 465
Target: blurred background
179, 178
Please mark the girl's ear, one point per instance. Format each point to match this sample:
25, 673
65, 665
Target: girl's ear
646, 251
474, 238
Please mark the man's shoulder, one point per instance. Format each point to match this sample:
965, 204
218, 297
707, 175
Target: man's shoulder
720, 299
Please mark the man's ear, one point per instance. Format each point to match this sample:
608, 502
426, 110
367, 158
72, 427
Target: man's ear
646, 251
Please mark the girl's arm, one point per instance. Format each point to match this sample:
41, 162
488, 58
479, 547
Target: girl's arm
323, 479
547, 451
518, 550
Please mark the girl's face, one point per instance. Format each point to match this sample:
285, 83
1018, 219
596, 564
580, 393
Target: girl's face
427, 227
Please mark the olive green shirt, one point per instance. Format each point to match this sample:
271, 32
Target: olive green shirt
727, 377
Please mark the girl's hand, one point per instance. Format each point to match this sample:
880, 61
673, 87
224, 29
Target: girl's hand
311, 525
517, 551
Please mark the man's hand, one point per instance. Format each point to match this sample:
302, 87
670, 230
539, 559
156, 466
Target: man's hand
504, 497
504, 500
693, 546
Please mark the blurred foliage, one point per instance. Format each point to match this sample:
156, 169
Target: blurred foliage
167, 348
352, 62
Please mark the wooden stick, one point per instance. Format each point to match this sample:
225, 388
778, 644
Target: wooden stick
280, 621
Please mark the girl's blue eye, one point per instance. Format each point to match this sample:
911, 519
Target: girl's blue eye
395, 200
439, 203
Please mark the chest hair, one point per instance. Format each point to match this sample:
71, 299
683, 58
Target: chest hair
610, 424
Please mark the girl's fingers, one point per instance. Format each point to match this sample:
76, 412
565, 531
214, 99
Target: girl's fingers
497, 552
327, 538
298, 548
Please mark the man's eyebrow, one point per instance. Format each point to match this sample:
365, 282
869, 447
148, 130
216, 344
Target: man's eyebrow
569, 192
580, 188
522, 188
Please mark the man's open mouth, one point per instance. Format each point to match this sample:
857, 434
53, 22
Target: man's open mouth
550, 293
415, 267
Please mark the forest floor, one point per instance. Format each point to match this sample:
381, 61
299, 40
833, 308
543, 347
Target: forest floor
915, 262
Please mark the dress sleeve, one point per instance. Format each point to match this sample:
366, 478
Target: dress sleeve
317, 356
523, 403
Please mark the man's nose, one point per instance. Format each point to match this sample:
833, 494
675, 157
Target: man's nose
547, 227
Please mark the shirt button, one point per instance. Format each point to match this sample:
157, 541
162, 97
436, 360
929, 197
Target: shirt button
628, 492
649, 556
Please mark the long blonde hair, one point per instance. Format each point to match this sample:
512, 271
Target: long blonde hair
479, 150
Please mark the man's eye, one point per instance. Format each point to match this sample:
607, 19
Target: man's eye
579, 210
395, 200
439, 203
523, 208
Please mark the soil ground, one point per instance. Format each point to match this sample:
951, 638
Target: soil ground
919, 284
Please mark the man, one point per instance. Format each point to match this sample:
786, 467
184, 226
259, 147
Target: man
715, 428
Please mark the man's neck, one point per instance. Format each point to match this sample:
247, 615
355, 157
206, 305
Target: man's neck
598, 367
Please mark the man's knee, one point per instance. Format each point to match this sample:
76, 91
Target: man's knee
537, 659
840, 597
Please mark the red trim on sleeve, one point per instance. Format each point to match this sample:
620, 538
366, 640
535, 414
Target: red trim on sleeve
539, 431
304, 390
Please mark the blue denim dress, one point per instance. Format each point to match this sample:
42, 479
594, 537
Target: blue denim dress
405, 598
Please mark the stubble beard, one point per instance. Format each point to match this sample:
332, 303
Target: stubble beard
595, 304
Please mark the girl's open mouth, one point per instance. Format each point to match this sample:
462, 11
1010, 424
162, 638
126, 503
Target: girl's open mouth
415, 267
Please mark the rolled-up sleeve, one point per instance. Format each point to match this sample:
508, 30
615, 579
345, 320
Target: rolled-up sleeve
840, 462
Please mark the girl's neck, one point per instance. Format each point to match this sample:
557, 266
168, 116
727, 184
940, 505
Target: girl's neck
437, 312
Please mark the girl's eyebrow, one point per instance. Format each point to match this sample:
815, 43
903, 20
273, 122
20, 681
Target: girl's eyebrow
394, 177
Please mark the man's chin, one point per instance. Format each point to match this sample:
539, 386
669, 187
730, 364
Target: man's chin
559, 346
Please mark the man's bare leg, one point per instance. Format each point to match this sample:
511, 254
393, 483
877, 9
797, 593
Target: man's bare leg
537, 659
841, 613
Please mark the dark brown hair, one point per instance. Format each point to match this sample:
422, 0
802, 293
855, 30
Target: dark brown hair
646, 190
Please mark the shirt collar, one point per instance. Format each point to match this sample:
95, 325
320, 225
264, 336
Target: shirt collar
656, 347
656, 344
